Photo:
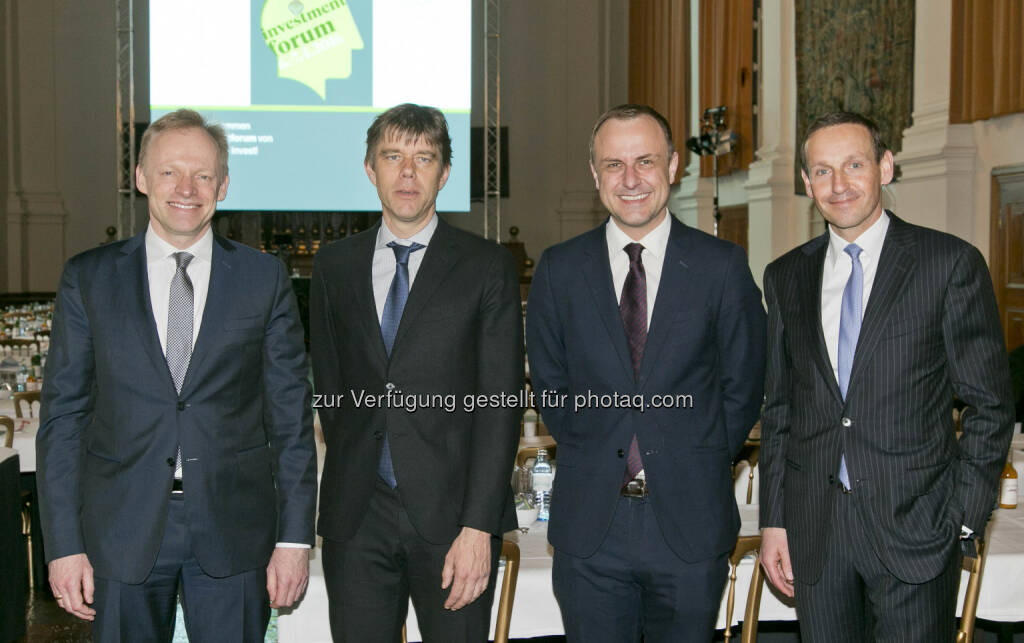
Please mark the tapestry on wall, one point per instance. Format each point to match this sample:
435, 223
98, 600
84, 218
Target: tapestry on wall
858, 56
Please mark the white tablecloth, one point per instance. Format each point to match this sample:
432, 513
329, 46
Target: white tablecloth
24, 434
535, 611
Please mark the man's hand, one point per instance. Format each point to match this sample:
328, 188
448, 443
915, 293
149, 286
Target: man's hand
775, 559
467, 567
287, 575
72, 584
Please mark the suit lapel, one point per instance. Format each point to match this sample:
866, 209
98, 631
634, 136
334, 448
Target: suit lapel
674, 289
598, 273
218, 303
894, 267
442, 253
810, 300
365, 305
135, 302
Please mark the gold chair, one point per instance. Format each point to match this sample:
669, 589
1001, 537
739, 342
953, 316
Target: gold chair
9, 437
975, 566
510, 552
744, 546
26, 531
28, 397
751, 453
749, 633
525, 453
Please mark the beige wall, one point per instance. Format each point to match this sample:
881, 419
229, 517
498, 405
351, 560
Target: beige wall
563, 63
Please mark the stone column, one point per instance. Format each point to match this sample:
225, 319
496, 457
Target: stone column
597, 56
937, 186
692, 199
776, 224
35, 213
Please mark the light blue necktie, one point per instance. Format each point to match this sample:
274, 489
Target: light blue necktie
393, 308
849, 331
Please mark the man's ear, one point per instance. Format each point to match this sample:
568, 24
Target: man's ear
370, 173
887, 166
807, 183
140, 180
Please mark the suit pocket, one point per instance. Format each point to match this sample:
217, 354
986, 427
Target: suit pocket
908, 325
920, 481
250, 324
101, 466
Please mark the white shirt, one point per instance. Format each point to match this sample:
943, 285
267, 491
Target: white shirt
384, 264
838, 265
161, 266
655, 244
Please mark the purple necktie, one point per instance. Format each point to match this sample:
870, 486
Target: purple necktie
633, 309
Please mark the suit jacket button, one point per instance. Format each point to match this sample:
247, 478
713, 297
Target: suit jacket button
831, 479
181, 406
621, 453
390, 386
846, 422
170, 462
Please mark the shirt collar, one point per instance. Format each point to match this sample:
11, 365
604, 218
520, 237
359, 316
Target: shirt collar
870, 241
157, 249
386, 236
655, 241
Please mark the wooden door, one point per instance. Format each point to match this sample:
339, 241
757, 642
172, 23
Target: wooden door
1006, 250
734, 225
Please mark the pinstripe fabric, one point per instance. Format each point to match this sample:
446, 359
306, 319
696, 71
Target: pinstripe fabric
857, 600
930, 330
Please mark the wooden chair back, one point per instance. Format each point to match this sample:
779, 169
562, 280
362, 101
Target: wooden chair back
8, 424
26, 398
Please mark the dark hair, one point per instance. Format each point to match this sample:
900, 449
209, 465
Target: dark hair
416, 121
843, 118
630, 111
186, 119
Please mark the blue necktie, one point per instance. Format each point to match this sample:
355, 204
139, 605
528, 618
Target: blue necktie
393, 308
849, 331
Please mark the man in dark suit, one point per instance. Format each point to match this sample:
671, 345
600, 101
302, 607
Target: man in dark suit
873, 328
408, 320
176, 442
643, 513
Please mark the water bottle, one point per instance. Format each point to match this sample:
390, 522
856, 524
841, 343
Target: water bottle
543, 477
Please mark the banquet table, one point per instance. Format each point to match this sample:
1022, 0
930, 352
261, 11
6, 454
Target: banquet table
25, 430
535, 611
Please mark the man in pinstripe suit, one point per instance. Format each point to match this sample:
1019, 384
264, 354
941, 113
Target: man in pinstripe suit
867, 497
